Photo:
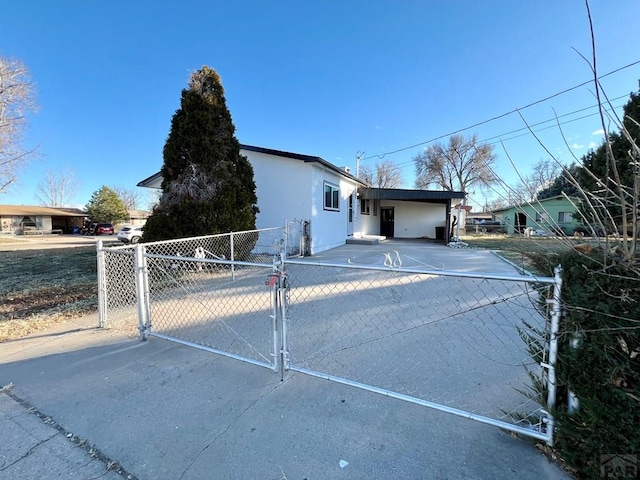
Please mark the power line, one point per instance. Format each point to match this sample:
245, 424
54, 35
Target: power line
497, 117
526, 129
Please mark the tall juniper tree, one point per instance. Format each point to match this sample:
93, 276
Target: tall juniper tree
207, 184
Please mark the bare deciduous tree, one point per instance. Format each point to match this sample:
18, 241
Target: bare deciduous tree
542, 175
57, 189
130, 197
386, 175
458, 165
16, 99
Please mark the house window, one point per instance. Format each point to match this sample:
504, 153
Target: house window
565, 217
365, 206
331, 197
375, 208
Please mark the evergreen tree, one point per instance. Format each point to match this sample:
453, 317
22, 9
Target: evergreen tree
207, 184
106, 206
562, 185
597, 173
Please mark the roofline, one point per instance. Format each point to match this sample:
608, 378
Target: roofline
15, 210
155, 176
304, 158
406, 194
277, 153
534, 202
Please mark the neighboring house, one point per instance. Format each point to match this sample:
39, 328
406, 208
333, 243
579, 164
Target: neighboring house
550, 214
138, 217
337, 205
21, 219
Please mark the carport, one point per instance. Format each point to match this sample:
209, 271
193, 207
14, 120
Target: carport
399, 213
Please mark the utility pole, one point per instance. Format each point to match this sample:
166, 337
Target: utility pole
359, 156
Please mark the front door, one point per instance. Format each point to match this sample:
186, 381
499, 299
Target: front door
521, 222
386, 222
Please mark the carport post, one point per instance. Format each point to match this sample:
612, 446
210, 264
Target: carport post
102, 287
141, 281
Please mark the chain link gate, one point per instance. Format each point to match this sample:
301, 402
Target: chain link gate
211, 292
457, 342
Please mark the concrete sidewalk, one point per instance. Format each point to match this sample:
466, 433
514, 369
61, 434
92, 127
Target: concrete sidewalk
165, 411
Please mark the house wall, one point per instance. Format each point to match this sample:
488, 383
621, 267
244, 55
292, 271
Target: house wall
416, 219
12, 223
282, 188
368, 224
6, 225
548, 216
290, 189
329, 228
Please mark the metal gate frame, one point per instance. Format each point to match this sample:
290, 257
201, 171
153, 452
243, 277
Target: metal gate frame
549, 367
279, 321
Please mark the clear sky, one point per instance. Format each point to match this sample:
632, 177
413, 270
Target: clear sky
328, 78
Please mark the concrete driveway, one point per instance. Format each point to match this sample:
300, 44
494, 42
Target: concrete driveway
165, 411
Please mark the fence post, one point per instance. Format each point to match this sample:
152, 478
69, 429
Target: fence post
276, 337
285, 237
283, 290
145, 278
140, 273
102, 287
233, 269
553, 351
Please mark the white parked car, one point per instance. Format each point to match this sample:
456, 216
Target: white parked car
131, 234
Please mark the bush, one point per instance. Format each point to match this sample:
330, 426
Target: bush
601, 308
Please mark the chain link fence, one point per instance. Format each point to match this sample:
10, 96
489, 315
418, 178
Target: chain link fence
480, 346
118, 294
462, 343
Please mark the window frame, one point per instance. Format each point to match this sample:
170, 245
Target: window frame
562, 217
365, 206
334, 191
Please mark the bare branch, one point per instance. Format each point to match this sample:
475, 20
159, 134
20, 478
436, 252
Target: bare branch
16, 99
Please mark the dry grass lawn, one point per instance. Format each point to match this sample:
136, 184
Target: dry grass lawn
39, 288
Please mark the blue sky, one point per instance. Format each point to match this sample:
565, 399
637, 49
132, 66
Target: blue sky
328, 78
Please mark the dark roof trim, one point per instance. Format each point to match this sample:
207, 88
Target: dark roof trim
277, 153
148, 180
304, 158
409, 195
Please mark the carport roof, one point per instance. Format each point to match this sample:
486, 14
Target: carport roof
28, 210
410, 195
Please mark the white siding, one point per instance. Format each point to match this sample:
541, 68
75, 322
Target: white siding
328, 227
282, 187
368, 224
417, 219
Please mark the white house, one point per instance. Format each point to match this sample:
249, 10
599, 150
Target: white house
338, 206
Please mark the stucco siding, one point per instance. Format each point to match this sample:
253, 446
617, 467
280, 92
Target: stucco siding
282, 188
329, 227
368, 224
416, 219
